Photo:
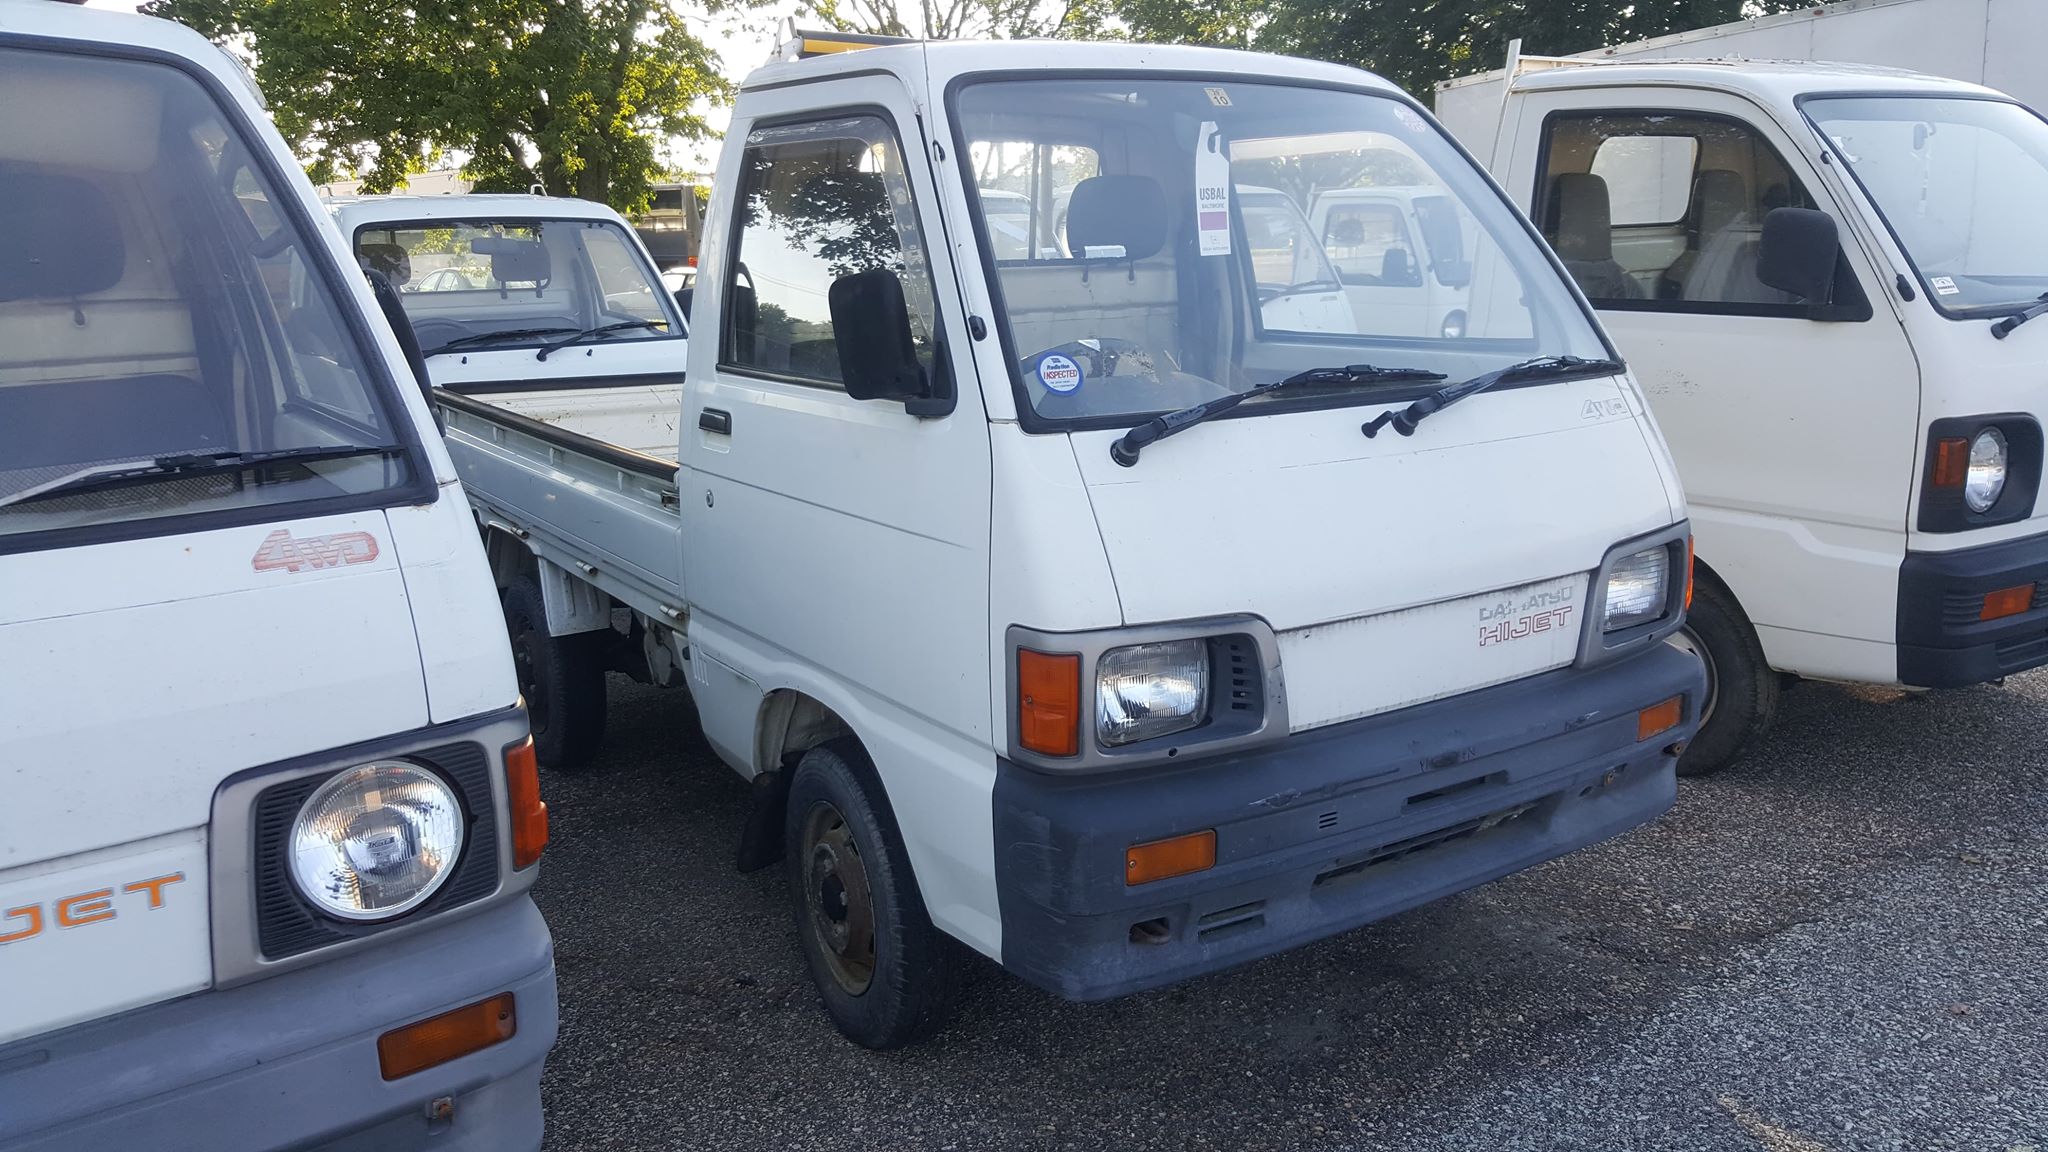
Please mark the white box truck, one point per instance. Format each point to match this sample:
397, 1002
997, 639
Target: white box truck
1063, 588
1822, 274
269, 811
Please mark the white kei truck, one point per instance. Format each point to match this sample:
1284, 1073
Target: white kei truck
268, 887
1067, 603
1823, 276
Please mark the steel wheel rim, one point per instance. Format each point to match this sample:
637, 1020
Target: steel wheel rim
1685, 641
838, 903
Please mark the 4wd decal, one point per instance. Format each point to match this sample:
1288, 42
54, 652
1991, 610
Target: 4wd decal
281, 551
1602, 409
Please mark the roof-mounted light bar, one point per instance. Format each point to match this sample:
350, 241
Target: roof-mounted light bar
804, 44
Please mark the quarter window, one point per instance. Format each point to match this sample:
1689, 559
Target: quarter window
818, 201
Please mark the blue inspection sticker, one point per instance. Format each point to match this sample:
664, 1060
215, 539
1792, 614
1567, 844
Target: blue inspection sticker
1059, 374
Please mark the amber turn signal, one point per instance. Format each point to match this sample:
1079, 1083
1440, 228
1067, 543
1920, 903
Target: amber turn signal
1178, 856
1660, 717
1951, 463
522, 800
1688, 573
1049, 702
2007, 602
439, 1039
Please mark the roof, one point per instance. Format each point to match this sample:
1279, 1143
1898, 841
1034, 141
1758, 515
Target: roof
468, 206
948, 59
1773, 80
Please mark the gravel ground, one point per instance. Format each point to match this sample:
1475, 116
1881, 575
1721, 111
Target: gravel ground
1841, 943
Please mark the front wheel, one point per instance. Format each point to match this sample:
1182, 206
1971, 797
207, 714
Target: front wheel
879, 965
560, 677
1742, 691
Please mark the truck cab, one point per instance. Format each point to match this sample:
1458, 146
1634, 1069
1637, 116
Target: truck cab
1059, 588
1401, 253
1817, 271
268, 806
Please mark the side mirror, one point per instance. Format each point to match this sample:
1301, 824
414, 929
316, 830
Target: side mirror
408, 341
1453, 273
877, 353
1797, 253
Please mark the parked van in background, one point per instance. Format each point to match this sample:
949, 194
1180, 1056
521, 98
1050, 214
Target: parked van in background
268, 806
1824, 276
1402, 254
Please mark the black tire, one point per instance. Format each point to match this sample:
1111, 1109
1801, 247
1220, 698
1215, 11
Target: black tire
561, 677
894, 987
1742, 690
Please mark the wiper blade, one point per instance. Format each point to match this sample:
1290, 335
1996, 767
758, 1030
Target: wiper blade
190, 464
1125, 449
2004, 327
589, 333
488, 337
1404, 420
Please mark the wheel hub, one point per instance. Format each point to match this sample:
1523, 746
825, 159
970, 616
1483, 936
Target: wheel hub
839, 904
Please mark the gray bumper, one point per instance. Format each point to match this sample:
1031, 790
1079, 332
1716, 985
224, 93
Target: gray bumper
291, 1061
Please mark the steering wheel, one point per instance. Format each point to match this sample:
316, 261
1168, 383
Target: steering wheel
1103, 353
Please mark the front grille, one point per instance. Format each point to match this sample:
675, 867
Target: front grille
287, 925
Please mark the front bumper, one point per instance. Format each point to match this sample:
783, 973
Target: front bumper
1942, 642
1330, 829
291, 1061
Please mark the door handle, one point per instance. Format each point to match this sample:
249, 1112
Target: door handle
715, 420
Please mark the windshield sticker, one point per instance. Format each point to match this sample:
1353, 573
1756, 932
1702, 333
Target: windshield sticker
1944, 286
1212, 191
1059, 374
1218, 97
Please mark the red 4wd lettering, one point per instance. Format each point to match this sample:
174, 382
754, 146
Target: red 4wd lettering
279, 550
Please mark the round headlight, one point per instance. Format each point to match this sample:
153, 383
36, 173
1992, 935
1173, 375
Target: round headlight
376, 841
1986, 478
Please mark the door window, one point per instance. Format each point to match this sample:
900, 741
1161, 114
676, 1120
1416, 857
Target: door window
818, 201
1664, 211
1369, 244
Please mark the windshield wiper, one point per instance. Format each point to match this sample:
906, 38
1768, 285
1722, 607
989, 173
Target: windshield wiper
500, 334
2004, 327
189, 464
1125, 449
588, 333
1404, 420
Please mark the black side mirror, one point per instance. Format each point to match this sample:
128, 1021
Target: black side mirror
408, 341
877, 354
1797, 253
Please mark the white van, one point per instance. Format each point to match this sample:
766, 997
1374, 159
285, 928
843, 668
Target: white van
268, 805
1401, 252
1059, 598
1822, 273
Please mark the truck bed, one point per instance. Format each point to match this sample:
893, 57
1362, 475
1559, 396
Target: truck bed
603, 511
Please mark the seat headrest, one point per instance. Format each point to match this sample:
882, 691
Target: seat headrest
1127, 212
59, 236
1719, 198
515, 260
390, 259
1580, 225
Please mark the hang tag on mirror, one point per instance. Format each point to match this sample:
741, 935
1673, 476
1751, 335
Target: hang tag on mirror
1212, 191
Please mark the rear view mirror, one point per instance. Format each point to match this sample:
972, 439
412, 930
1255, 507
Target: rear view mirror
877, 352
1797, 253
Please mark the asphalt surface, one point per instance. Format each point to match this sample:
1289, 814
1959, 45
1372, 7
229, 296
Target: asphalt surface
1840, 943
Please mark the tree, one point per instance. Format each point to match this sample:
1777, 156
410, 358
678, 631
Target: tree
575, 95
961, 19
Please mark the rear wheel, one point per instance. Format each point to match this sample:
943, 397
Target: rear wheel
881, 968
561, 678
1742, 691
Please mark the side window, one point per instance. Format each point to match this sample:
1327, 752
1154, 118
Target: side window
817, 202
1663, 211
627, 292
1369, 244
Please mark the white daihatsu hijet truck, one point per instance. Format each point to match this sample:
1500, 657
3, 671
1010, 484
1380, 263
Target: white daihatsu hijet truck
268, 806
1064, 596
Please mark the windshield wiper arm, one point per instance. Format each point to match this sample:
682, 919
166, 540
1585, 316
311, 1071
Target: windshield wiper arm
2004, 327
1126, 447
190, 464
1404, 420
500, 334
588, 333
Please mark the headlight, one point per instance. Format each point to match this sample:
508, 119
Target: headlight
1149, 690
1636, 589
376, 841
1986, 478
1454, 325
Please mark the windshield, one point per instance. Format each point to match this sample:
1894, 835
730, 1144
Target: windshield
158, 300
1180, 241
1962, 184
470, 278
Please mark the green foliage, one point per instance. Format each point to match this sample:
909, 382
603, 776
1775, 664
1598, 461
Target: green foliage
575, 95
1417, 43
